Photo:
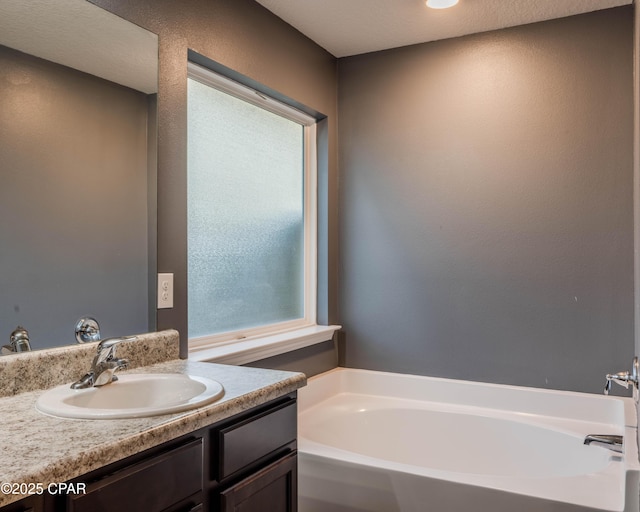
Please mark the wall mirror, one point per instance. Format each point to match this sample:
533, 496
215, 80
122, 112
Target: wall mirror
77, 171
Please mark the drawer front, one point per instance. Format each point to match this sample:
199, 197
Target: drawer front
273, 489
151, 485
256, 437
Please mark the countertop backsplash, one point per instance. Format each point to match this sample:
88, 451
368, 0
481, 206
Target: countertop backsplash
42, 369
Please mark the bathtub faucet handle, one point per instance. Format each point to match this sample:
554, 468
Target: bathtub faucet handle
620, 378
625, 379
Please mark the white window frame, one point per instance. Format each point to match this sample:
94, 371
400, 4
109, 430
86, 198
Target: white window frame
245, 345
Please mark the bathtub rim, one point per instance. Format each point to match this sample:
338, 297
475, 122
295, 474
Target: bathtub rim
337, 379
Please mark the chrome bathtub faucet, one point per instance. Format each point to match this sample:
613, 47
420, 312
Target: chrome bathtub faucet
624, 379
104, 364
613, 443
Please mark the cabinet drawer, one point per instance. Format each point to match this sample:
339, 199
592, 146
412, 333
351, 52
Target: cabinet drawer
273, 489
248, 441
151, 485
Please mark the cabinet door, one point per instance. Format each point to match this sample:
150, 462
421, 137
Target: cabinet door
273, 489
156, 484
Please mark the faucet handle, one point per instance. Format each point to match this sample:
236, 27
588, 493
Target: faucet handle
621, 378
107, 349
625, 379
112, 342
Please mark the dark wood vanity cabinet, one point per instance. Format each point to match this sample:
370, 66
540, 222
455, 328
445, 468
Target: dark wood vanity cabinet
245, 463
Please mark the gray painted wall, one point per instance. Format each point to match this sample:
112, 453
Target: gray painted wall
73, 202
245, 37
486, 205
485, 188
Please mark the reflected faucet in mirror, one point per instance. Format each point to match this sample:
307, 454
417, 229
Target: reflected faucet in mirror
87, 330
19, 340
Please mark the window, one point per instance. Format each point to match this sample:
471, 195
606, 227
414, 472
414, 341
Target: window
251, 213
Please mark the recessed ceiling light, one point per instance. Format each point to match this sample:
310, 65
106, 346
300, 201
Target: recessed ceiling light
441, 4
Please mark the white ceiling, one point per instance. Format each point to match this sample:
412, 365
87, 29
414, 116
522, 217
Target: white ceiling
80, 35
351, 27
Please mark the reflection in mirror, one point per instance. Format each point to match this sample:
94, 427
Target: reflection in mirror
77, 171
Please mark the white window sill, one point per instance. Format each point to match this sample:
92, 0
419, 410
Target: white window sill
247, 350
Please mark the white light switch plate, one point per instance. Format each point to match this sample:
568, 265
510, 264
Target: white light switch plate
165, 291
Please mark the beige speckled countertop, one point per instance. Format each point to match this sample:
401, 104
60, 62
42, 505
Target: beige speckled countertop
35, 448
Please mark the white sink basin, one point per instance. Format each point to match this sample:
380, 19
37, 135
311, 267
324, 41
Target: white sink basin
132, 396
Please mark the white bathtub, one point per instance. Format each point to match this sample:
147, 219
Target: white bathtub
383, 442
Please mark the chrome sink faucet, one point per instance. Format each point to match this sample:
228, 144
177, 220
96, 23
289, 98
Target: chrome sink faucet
104, 364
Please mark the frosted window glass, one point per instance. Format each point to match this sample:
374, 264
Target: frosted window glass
245, 214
